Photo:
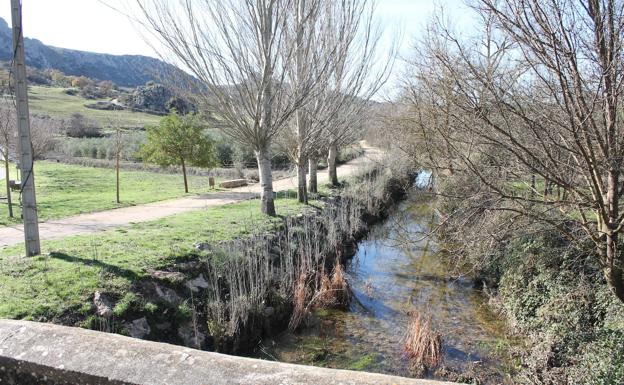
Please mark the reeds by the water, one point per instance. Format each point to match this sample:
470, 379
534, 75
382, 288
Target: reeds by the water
334, 291
290, 265
423, 344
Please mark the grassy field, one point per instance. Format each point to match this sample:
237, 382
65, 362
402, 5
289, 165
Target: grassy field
70, 270
54, 102
64, 190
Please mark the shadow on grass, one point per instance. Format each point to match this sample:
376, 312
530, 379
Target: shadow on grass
116, 270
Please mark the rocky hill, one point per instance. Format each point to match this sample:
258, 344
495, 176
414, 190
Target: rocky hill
124, 70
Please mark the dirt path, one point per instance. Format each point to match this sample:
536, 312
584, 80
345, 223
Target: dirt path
104, 220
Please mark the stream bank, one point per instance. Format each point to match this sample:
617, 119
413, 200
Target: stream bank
229, 296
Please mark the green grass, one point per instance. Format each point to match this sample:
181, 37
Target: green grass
64, 190
54, 102
71, 269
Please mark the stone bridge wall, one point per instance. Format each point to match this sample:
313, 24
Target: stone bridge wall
38, 353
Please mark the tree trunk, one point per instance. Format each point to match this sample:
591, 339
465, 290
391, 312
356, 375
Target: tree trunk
614, 272
331, 165
8, 186
615, 277
302, 192
267, 203
184, 173
117, 176
313, 167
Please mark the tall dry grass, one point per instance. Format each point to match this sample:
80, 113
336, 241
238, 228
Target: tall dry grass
290, 265
334, 291
423, 344
300, 298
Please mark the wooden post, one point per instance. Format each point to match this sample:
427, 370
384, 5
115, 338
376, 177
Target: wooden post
29, 209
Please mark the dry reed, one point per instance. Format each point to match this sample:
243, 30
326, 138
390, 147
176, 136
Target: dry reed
300, 297
423, 344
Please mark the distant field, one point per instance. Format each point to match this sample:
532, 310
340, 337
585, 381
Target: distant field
54, 102
64, 190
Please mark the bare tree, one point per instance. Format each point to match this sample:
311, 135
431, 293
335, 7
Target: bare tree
44, 132
536, 101
118, 147
239, 52
359, 69
7, 136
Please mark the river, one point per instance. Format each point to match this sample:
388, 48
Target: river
397, 270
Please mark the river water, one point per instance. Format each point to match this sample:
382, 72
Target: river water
397, 270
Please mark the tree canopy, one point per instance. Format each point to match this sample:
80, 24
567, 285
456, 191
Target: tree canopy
180, 141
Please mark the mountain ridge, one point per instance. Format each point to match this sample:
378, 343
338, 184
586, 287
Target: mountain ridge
123, 70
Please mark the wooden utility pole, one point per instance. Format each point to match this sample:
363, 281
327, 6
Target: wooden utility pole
29, 203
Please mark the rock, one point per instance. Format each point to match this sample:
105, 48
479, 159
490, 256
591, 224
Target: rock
103, 304
233, 183
191, 337
138, 328
152, 97
167, 295
171, 276
203, 246
197, 283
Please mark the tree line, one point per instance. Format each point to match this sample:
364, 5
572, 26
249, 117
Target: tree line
298, 74
528, 109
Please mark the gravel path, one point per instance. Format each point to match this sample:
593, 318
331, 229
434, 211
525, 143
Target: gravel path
104, 220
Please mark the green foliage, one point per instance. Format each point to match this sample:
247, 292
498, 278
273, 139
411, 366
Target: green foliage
553, 293
104, 147
179, 140
125, 304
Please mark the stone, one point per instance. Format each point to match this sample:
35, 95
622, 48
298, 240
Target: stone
197, 283
171, 276
138, 328
167, 295
191, 337
103, 304
203, 246
233, 183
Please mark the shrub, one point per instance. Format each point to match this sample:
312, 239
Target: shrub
79, 127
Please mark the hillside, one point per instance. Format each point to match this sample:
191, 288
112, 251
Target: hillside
124, 70
56, 103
